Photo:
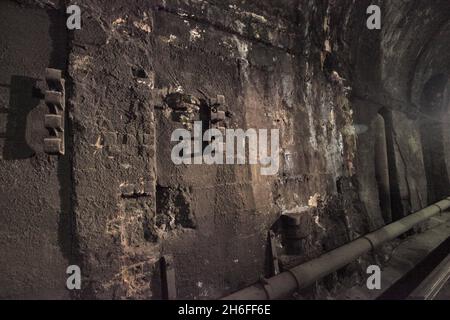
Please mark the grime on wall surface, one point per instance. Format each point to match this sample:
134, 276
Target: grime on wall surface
349, 86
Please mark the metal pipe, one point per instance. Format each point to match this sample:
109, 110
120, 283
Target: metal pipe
304, 275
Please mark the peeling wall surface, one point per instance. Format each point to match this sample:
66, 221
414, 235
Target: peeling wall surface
115, 203
35, 226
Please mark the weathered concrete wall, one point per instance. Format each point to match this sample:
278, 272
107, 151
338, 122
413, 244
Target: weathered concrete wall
447, 143
391, 69
446, 135
213, 219
272, 76
114, 177
409, 189
309, 68
365, 117
35, 213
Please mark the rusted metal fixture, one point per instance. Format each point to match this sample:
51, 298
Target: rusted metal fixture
187, 108
304, 275
55, 98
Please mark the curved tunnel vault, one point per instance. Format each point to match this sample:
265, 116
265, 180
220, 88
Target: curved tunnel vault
409, 62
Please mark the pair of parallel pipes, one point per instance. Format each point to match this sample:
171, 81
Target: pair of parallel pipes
286, 283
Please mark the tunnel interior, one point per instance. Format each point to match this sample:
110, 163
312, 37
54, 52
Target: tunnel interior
363, 117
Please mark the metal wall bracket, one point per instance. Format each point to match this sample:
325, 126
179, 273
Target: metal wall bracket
55, 98
217, 116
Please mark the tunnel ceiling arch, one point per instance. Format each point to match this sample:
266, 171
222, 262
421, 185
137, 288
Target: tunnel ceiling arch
415, 45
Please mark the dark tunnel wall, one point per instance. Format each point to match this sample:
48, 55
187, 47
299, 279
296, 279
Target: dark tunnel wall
214, 220
35, 226
338, 92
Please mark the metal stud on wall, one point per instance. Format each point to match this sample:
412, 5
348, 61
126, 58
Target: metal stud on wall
55, 98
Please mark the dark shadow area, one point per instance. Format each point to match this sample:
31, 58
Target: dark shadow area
431, 133
397, 206
21, 102
155, 282
59, 60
